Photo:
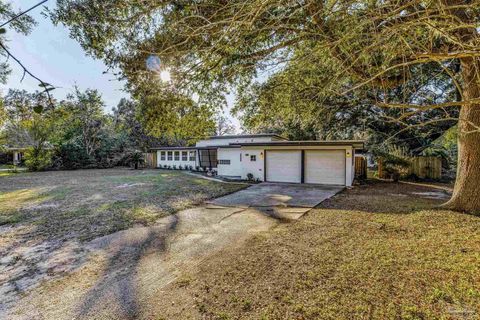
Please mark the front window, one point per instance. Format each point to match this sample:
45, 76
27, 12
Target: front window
162, 155
208, 158
184, 155
177, 155
192, 155
170, 156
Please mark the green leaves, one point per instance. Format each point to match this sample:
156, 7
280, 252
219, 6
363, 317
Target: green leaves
38, 109
46, 86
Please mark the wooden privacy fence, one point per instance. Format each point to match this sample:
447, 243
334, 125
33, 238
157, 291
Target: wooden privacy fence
422, 167
360, 168
426, 167
151, 160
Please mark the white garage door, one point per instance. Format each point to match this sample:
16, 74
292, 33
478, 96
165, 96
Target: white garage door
284, 166
325, 166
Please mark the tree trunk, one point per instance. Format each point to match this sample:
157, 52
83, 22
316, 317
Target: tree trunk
466, 193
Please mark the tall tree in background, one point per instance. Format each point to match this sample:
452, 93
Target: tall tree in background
223, 126
170, 114
291, 103
26, 121
86, 109
27, 124
375, 44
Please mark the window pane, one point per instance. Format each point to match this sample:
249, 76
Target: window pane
169, 156
184, 155
192, 155
162, 155
253, 157
208, 158
177, 155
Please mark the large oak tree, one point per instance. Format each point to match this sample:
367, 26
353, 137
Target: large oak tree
211, 45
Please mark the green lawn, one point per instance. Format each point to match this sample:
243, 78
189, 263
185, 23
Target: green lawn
379, 251
89, 203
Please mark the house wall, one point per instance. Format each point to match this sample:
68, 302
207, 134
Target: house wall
235, 168
349, 166
180, 162
226, 142
256, 168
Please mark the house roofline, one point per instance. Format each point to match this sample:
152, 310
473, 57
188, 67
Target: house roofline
173, 148
360, 144
259, 135
357, 144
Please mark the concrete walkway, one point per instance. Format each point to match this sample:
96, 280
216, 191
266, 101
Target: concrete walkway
126, 271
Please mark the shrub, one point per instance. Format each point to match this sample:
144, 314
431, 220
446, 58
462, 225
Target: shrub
174, 167
395, 160
197, 168
38, 158
180, 167
134, 158
72, 155
249, 176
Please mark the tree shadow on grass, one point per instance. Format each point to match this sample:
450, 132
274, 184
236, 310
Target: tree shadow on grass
117, 284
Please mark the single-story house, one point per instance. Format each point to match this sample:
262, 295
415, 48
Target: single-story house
268, 157
12, 155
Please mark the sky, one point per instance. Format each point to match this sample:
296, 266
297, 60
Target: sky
50, 54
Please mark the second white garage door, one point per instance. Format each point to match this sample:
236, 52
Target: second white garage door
284, 166
325, 166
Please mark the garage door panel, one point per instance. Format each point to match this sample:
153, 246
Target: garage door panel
325, 166
284, 166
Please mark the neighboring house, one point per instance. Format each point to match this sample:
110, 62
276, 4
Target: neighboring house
15, 154
18, 154
12, 155
268, 157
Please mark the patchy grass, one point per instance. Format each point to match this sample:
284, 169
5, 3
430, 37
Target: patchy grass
6, 173
379, 251
91, 203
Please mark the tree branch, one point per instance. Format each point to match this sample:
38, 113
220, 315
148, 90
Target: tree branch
22, 13
45, 85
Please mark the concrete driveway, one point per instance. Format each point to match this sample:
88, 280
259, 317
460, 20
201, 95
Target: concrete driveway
127, 271
280, 200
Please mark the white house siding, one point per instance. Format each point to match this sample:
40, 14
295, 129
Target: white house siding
256, 168
173, 162
352, 161
234, 167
